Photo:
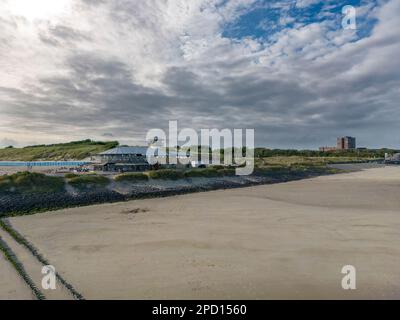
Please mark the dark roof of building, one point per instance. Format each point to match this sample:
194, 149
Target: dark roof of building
125, 150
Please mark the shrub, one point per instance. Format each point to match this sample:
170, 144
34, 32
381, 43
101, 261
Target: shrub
203, 173
166, 174
88, 181
212, 172
22, 182
227, 172
132, 177
71, 175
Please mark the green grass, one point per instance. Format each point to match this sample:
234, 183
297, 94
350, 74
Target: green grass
285, 165
77, 150
211, 172
172, 174
227, 172
132, 177
289, 161
166, 174
367, 153
26, 182
71, 175
88, 181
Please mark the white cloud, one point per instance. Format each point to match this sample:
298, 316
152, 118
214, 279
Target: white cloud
5, 142
122, 67
306, 3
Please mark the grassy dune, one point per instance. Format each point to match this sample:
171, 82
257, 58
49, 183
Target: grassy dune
77, 150
88, 181
27, 182
31, 182
289, 161
132, 177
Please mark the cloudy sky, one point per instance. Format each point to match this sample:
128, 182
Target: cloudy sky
113, 69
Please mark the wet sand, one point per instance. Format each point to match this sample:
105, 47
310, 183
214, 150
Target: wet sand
12, 287
287, 240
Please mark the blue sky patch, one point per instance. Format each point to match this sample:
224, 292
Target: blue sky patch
266, 18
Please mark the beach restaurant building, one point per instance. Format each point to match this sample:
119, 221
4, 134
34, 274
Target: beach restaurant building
130, 159
122, 159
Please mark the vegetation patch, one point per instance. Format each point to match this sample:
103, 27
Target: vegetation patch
132, 177
203, 173
211, 172
293, 161
71, 175
227, 172
354, 154
76, 150
30, 182
88, 181
166, 174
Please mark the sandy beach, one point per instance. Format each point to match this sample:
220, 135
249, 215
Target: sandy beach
11, 285
12, 170
281, 241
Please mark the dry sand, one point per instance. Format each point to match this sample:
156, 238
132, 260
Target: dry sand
12, 170
286, 240
47, 170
